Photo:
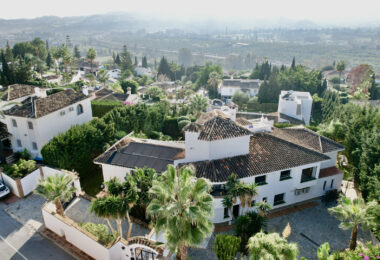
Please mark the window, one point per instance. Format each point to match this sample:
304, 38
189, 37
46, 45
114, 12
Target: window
30, 125
34, 146
14, 123
285, 175
253, 203
71, 109
62, 113
332, 184
279, 199
324, 185
226, 214
19, 143
260, 180
79, 109
307, 174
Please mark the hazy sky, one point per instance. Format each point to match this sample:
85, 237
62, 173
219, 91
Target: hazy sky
316, 10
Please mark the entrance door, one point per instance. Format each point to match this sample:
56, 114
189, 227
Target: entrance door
235, 211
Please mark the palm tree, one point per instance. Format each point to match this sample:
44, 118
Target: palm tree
271, 246
91, 55
352, 213
198, 104
117, 205
101, 208
213, 80
56, 54
102, 77
56, 188
263, 207
251, 191
181, 208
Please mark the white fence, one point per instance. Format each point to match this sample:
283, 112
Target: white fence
67, 228
23, 186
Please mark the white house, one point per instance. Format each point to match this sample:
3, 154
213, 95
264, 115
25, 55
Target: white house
141, 71
290, 165
229, 86
41, 117
295, 104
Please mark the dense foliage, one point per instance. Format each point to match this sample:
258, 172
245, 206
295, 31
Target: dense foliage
100, 231
101, 107
226, 246
20, 169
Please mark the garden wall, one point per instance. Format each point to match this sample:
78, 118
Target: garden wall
26, 185
86, 242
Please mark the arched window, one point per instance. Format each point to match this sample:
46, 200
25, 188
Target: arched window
79, 109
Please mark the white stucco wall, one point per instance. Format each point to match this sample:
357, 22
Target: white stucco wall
199, 150
226, 91
11, 184
111, 171
46, 127
275, 186
331, 162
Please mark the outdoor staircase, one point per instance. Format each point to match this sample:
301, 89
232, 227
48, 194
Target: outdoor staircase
10, 159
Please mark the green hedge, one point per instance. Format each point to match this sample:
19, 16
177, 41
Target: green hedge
170, 127
263, 107
100, 108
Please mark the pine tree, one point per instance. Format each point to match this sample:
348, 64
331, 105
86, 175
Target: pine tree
144, 62
125, 60
117, 59
164, 68
76, 53
293, 63
374, 90
49, 60
136, 62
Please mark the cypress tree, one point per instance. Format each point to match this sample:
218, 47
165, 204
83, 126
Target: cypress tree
164, 68
293, 63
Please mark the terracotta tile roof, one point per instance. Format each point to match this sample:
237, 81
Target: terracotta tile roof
267, 154
19, 90
35, 107
217, 128
307, 138
242, 121
107, 94
136, 154
329, 172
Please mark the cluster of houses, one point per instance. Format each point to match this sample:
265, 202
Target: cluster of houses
289, 165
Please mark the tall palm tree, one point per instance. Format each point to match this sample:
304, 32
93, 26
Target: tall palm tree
181, 208
352, 213
56, 188
271, 246
102, 77
91, 55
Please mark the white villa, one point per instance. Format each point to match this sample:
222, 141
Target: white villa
40, 117
229, 86
295, 104
290, 165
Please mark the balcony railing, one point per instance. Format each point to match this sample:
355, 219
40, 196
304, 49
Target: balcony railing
307, 178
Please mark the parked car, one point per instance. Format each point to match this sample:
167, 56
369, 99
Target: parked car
4, 190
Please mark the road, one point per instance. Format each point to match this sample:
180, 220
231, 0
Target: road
21, 242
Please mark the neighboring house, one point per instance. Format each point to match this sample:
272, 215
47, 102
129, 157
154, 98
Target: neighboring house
290, 165
17, 93
295, 104
229, 86
141, 71
107, 94
39, 118
113, 75
85, 65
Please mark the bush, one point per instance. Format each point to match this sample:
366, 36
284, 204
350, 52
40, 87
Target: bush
100, 231
100, 108
226, 247
283, 125
247, 226
335, 80
330, 196
170, 127
21, 168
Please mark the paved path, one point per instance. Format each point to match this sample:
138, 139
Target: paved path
19, 241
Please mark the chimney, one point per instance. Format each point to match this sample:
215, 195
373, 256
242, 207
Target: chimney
85, 91
129, 91
41, 93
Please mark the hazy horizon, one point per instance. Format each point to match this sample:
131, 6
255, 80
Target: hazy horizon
323, 12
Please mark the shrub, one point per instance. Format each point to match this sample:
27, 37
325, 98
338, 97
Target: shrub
255, 106
283, 125
100, 231
170, 127
100, 108
21, 168
330, 196
226, 247
248, 225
